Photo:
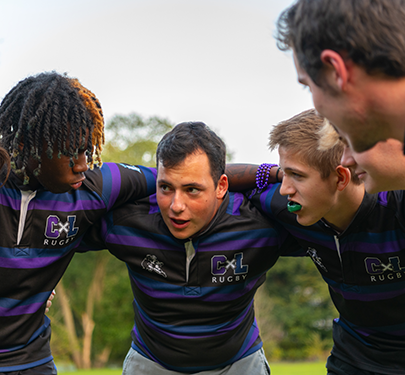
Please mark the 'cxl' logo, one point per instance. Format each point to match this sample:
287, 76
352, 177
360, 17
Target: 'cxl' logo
55, 227
220, 265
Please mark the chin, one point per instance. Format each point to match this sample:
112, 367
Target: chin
305, 222
373, 187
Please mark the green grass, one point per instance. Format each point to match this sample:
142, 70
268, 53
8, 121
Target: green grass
93, 372
298, 368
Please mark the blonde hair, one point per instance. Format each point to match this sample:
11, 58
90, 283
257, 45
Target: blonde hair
312, 137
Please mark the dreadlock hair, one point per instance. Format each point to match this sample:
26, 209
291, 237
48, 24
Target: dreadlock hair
50, 111
4, 160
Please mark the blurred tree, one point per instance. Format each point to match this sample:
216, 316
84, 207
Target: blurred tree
133, 139
301, 309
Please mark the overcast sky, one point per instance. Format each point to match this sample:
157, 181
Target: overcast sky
213, 61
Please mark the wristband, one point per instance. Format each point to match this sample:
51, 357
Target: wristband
262, 175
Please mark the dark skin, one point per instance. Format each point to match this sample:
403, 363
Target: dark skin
242, 177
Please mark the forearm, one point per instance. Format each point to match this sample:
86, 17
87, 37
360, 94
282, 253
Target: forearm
243, 176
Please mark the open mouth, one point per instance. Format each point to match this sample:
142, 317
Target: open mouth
293, 206
179, 223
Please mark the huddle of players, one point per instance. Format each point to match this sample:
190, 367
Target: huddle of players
201, 251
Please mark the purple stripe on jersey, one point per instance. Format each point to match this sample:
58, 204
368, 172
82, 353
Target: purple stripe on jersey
20, 310
27, 263
15, 204
369, 331
154, 208
369, 297
55, 205
387, 247
140, 242
208, 297
237, 201
242, 244
362, 332
309, 237
253, 337
383, 198
116, 184
215, 331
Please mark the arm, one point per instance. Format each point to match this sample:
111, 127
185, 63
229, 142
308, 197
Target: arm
243, 176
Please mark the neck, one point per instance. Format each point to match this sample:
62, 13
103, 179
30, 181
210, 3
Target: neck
347, 204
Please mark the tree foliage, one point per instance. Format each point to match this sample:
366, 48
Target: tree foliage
301, 309
133, 139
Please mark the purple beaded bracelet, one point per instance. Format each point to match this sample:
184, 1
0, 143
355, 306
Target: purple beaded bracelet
262, 174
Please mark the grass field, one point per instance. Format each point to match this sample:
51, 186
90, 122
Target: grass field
299, 368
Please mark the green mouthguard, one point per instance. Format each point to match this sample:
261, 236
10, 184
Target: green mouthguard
292, 206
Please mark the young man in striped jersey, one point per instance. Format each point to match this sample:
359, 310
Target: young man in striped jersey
52, 127
196, 255
355, 239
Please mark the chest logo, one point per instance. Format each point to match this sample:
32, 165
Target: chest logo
152, 264
316, 258
382, 271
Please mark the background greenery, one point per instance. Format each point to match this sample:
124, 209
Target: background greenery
92, 315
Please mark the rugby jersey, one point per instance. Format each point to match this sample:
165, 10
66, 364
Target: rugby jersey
193, 299
364, 269
39, 233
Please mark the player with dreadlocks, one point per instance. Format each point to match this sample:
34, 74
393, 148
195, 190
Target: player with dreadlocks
52, 127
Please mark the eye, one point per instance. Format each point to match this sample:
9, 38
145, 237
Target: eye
193, 190
165, 188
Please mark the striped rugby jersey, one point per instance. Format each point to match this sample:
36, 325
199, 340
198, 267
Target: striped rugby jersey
193, 299
39, 233
364, 267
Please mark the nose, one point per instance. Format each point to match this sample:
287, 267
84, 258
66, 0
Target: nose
177, 205
80, 163
347, 159
286, 187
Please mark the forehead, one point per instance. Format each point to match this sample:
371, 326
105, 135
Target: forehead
292, 159
194, 166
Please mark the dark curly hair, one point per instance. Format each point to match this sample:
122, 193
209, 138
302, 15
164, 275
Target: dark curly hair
50, 112
4, 161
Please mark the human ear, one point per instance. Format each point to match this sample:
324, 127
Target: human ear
335, 62
222, 186
344, 177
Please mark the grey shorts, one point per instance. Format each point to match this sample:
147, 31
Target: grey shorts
254, 364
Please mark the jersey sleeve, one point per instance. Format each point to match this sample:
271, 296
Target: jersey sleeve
118, 183
94, 238
268, 201
291, 248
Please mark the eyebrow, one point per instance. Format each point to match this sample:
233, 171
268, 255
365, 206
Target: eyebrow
288, 169
191, 184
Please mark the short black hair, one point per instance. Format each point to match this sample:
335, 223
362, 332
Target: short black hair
188, 138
